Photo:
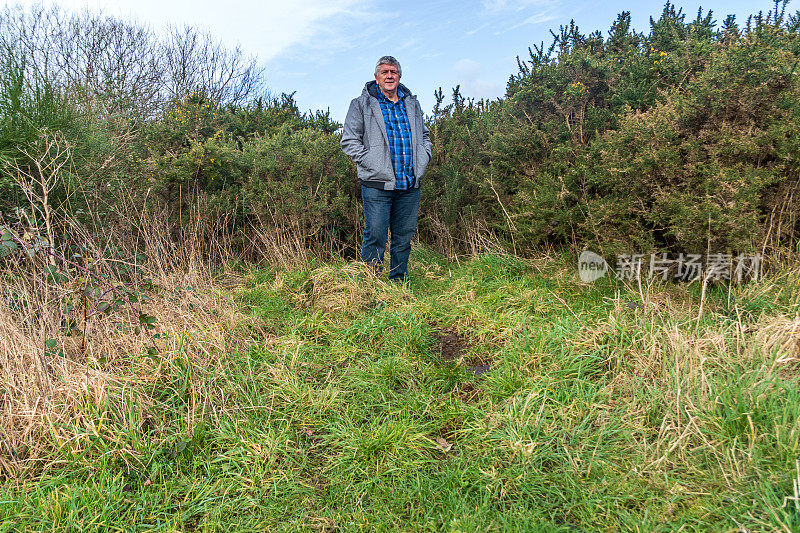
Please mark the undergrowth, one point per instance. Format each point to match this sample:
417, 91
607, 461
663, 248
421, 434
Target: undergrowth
498, 393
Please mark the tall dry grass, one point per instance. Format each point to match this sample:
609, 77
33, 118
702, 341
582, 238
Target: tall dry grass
699, 367
61, 354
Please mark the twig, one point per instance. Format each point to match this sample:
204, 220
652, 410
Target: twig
512, 228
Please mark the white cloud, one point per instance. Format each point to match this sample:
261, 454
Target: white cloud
482, 89
511, 14
429, 55
537, 18
354, 22
410, 43
513, 5
266, 28
289, 23
469, 74
540, 17
479, 28
468, 68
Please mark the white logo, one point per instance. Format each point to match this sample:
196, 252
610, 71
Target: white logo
591, 266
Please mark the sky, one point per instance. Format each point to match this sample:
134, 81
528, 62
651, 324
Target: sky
325, 50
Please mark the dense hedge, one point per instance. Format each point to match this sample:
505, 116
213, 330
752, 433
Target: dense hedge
683, 139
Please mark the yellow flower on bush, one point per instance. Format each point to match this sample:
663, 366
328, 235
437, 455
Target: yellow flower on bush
576, 90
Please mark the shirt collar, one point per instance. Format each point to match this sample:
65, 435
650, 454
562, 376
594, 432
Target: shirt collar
400, 95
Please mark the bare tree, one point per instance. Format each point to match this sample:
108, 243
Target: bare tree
195, 62
114, 65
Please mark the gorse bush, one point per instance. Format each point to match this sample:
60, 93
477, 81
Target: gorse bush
303, 180
270, 165
682, 139
27, 108
709, 164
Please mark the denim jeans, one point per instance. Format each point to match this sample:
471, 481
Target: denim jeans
385, 211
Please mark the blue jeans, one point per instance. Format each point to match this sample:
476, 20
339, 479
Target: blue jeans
385, 211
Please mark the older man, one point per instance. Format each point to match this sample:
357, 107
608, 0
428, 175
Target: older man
385, 135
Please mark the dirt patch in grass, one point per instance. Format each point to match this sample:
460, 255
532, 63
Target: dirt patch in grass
479, 364
317, 451
452, 347
314, 442
448, 344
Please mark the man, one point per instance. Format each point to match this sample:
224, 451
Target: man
385, 135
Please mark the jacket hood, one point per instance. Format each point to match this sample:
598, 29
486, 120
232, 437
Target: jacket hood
371, 88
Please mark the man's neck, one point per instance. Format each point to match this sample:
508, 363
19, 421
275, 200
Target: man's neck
392, 96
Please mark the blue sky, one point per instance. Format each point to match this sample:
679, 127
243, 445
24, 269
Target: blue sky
325, 50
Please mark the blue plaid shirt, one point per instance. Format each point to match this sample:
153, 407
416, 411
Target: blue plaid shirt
399, 132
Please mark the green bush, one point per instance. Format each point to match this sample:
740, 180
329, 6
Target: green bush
681, 140
301, 181
28, 107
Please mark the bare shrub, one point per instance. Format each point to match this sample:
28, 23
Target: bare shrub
194, 61
42, 175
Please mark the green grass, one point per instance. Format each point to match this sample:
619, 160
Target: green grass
594, 416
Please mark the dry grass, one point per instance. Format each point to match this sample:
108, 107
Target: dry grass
51, 373
682, 361
347, 290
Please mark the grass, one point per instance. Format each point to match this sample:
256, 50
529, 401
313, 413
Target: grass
316, 398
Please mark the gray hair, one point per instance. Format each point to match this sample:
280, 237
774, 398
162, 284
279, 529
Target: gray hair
389, 60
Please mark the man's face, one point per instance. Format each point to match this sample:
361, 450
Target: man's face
387, 78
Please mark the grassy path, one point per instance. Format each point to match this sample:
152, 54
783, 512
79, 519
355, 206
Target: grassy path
498, 394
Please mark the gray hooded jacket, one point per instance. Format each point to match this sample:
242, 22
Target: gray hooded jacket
364, 139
